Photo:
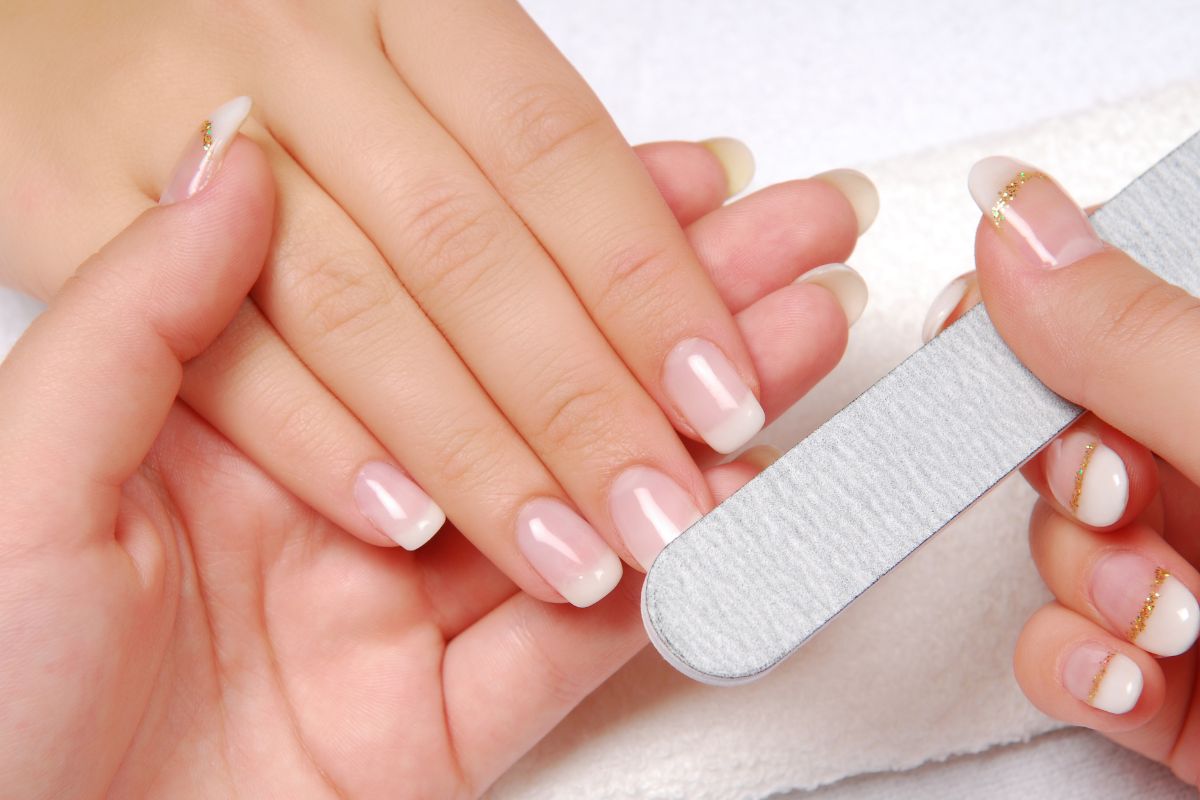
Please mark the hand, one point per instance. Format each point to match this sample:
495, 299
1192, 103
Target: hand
1115, 532
476, 299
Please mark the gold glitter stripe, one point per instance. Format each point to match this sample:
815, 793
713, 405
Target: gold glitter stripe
1087, 459
1099, 678
1009, 192
206, 138
1139, 623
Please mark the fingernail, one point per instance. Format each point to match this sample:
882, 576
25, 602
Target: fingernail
1103, 678
761, 456
649, 510
1088, 478
959, 296
859, 190
205, 150
567, 552
711, 395
1146, 603
736, 159
1032, 212
844, 283
396, 506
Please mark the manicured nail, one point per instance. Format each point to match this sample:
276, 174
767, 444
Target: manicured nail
737, 161
859, 190
649, 510
1103, 678
567, 552
844, 283
711, 395
205, 150
396, 506
761, 456
959, 296
1088, 478
1146, 603
1032, 212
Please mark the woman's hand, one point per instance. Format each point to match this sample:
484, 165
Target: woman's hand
476, 298
1116, 535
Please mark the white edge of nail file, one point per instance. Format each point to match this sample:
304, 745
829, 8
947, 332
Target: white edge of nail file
751, 581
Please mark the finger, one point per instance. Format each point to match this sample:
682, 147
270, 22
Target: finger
957, 298
692, 178
1085, 318
1130, 581
1079, 673
87, 389
1095, 474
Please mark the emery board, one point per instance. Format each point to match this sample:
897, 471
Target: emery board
748, 583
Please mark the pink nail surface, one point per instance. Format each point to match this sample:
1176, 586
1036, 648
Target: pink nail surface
205, 150
396, 506
567, 551
1102, 678
1145, 603
1087, 478
711, 395
1032, 212
649, 510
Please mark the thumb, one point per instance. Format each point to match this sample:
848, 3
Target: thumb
1094, 325
85, 392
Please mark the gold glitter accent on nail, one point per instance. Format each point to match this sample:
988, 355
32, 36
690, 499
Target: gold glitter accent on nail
1087, 459
206, 138
1139, 623
1009, 192
1098, 678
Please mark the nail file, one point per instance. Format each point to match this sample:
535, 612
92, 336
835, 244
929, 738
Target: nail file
749, 582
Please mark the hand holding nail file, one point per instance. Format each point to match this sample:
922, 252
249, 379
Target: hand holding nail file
751, 581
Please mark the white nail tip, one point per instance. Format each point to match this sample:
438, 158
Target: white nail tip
859, 190
1174, 624
591, 586
1120, 687
738, 427
844, 283
1105, 490
228, 118
736, 160
989, 176
421, 529
942, 307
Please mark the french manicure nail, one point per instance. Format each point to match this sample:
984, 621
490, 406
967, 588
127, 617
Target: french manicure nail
1088, 478
844, 283
959, 296
859, 190
1032, 212
649, 510
396, 506
1103, 678
711, 395
205, 150
567, 551
736, 159
1149, 605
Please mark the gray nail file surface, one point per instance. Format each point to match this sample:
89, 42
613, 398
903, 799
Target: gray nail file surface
749, 582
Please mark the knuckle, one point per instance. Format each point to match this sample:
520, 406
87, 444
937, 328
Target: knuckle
544, 128
451, 232
341, 292
466, 454
633, 277
580, 407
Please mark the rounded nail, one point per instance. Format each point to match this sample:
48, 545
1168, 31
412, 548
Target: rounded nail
395, 506
1146, 603
736, 159
711, 395
844, 283
1088, 478
859, 190
649, 510
204, 152
1103, 678
956, 299
567, 551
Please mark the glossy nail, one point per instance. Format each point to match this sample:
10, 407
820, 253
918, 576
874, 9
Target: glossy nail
737, 161
1103, 678
711, 395
844, 283
1032, 213
859, 190
205, 150
567, 552
649, 510
1145, 603
396, 506
1088, 478
959, 296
